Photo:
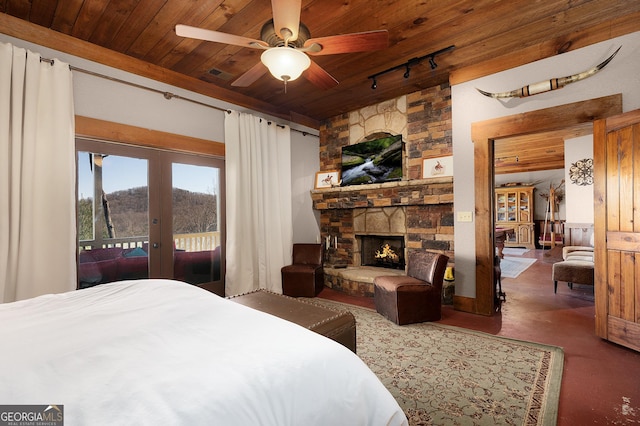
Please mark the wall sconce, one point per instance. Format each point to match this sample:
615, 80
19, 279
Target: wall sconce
411, 62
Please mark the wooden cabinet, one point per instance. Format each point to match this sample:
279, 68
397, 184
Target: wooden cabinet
514, 209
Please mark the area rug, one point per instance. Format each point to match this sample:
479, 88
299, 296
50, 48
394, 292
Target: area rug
511, 267
448, 375
514, 251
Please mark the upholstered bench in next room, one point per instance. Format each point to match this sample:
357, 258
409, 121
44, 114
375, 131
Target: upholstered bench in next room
337, 325
577, 267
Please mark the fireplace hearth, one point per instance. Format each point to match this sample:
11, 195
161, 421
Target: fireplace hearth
385, 251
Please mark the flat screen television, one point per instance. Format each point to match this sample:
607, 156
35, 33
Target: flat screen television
374, 161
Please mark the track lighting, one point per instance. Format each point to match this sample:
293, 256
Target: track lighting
410, 63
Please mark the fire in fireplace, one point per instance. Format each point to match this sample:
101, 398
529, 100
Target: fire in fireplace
382, 250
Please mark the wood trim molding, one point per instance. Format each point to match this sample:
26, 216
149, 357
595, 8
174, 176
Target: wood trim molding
115, 132
483, 133
464, 304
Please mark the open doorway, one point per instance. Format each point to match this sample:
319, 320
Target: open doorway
529, 187
578, 115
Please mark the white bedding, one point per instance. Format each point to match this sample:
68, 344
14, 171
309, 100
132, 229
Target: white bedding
161, 352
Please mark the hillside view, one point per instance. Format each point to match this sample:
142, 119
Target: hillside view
193, 212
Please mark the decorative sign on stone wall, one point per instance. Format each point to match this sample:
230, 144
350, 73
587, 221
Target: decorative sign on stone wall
437, 167
327, 179
581, 172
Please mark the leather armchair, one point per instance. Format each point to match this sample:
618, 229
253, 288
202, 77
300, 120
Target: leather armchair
416, 297
305, 276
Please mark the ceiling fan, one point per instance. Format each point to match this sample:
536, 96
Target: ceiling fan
286, 43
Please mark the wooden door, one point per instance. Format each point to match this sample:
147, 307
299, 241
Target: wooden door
617, 228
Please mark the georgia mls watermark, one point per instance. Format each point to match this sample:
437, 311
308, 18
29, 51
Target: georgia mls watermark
31, 415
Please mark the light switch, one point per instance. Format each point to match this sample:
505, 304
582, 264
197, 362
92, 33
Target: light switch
465, 217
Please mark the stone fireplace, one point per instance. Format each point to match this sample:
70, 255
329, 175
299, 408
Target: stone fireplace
384, 251
409, 215
376, 227
412, 214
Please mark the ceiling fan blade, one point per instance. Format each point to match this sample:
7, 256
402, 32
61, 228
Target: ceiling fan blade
318, 76
218, 37
249, 77
348, 43
286, 14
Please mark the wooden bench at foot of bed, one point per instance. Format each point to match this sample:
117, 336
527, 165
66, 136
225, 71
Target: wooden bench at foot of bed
337, 325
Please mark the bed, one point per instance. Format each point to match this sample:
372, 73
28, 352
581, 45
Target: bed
164, 352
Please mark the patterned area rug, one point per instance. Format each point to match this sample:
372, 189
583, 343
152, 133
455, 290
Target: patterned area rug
447, 375
511, 267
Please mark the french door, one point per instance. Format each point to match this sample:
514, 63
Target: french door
148, 213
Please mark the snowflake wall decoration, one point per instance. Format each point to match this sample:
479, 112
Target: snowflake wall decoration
581, 172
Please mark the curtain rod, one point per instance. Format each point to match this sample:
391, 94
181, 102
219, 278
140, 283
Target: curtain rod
166, 95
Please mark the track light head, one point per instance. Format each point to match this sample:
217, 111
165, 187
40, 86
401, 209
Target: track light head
407, 65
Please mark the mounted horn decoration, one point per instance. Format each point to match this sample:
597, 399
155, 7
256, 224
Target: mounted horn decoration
553, 84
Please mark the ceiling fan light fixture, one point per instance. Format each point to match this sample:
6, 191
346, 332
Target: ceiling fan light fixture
285, 63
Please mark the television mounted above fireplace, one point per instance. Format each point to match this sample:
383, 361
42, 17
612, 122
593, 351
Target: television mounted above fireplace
374, 161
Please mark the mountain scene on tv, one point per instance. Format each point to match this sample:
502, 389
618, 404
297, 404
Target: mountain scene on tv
375, 161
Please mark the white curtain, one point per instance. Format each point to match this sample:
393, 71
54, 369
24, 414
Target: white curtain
258, 197
37, 176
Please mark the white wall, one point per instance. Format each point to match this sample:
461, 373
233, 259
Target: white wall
103, 99
579, 198
468, 106
305, 162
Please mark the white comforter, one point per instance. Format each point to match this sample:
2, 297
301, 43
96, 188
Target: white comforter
160, 352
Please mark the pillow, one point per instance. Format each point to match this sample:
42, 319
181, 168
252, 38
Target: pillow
89, 274
136, 252
99, 254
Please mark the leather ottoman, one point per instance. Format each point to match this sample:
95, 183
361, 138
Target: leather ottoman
337, 325
572, 271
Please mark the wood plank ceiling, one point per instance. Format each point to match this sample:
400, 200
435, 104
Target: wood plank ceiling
489, 36
536, 151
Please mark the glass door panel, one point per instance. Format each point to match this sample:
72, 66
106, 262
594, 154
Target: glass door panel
196, 223
113, 211
147, 213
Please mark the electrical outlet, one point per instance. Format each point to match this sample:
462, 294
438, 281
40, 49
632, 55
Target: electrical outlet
465, 217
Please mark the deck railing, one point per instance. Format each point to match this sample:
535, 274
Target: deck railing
197, 242
200, 241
